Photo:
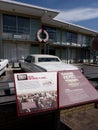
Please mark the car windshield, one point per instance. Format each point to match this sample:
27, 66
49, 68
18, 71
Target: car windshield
48, 59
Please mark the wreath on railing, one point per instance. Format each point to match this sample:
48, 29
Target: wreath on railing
40, 33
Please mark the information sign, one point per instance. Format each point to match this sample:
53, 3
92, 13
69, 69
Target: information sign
44, 91
75, 89
35, 92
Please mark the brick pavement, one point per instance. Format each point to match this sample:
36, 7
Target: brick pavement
81, 118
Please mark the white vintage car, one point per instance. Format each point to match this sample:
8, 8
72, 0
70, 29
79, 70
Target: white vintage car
3, 65
44, 62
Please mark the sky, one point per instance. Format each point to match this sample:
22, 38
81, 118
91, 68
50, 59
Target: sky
79, 12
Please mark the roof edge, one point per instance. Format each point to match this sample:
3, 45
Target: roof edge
29, 5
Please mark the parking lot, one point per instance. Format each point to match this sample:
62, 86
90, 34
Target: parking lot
90, 73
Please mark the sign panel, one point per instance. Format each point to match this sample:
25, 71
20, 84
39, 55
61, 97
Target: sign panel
35, 92
44, 91
75, 89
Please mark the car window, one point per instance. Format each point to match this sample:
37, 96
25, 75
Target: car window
33, 59
49, 59
28, 59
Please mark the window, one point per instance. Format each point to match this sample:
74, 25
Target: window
51, 31
45, 59
9, 23
28, 59
23, 25
16, 24
71, 37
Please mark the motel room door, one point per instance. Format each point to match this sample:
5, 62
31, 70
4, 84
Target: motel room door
15, 51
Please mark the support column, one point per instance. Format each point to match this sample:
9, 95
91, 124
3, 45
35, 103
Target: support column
1, 45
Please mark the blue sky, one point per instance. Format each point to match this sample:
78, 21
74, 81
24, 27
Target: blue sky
80, 12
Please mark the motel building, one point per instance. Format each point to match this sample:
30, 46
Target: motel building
26, 29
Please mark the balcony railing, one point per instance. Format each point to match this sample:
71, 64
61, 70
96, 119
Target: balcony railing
10, 36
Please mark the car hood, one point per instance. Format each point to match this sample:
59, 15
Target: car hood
56, 66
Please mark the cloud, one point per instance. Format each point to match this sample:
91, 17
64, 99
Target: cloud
77, 14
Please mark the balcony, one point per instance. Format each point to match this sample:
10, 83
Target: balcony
11, 36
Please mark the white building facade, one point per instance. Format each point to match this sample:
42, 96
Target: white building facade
26, 29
